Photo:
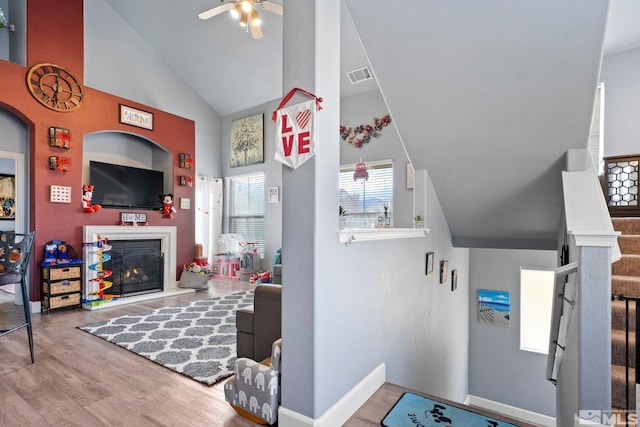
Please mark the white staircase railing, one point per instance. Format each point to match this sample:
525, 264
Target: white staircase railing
560, 315
580, 335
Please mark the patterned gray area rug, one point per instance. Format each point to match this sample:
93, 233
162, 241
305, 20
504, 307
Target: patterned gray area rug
196, 339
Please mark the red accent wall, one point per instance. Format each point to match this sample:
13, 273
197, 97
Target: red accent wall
63, 45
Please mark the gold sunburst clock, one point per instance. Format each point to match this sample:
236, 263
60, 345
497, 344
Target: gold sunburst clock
54, 87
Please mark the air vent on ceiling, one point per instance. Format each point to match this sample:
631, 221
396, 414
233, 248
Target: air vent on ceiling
359, 75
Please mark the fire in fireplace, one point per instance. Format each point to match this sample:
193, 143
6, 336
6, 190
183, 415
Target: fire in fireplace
137, 267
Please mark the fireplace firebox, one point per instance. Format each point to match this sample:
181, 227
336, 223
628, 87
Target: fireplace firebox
137, 267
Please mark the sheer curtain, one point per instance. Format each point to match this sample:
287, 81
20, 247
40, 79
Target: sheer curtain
209, 206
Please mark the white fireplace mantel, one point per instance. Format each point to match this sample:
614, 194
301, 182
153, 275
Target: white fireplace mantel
168, 238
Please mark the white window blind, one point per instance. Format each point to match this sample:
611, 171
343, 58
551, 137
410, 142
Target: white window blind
246, 208
365, 200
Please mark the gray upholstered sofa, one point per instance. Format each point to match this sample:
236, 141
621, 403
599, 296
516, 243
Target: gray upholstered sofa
259, 327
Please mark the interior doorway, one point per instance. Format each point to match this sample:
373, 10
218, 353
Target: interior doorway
14, 164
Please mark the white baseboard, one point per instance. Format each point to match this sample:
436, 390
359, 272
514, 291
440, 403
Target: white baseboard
511, 411
34, 306
343, 409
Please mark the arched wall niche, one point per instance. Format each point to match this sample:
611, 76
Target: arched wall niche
127, 149
14, 160
17, 113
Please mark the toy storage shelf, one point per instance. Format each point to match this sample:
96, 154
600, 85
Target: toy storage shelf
61, 286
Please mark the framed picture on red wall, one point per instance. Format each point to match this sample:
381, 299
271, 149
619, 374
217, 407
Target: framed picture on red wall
134, 117
7, 197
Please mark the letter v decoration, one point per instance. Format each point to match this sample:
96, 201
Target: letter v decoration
295, 129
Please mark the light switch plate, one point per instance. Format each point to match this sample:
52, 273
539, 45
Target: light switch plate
185, 203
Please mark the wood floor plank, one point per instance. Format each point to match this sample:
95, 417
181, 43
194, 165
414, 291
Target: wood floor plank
79, 379
15, 412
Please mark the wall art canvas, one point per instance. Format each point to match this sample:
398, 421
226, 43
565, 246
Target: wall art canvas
7, 197
494, 307
429, 263
247, 141
444, 268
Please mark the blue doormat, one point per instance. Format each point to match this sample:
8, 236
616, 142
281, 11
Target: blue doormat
412, 410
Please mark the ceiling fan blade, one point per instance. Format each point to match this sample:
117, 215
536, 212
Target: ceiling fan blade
217, 10
272, 7
256, 30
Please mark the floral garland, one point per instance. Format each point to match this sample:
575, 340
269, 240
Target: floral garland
360, 135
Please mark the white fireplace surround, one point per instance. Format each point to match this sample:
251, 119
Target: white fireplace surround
168, 239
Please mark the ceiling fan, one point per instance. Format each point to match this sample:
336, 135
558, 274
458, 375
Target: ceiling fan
244, 11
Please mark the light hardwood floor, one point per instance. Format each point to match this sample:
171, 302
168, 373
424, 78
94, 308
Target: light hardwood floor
81, 380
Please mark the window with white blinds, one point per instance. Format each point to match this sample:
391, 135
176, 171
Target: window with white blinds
246, 208
365, 199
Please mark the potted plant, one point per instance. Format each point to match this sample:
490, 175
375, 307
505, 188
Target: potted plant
418, 221
342, 215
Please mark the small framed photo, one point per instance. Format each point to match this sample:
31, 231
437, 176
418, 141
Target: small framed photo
444, 266
429, 263
59, 137
186, 162
134, 117
274, 195
8, 197
410, 176
454, 280
60, 194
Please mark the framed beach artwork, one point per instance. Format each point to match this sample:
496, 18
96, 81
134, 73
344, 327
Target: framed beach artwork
246, 145
494, 307
7, 197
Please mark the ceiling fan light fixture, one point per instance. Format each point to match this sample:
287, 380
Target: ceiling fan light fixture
236, 12
244, 19
255, 18
246, 5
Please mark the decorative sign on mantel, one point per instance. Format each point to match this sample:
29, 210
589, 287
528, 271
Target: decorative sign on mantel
134, 218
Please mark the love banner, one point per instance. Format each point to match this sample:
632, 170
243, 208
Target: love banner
296, 130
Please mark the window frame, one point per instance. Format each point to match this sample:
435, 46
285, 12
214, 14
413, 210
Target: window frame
230, 199
542, 325
380, 164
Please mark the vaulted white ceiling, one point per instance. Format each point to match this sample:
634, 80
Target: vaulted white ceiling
487, 96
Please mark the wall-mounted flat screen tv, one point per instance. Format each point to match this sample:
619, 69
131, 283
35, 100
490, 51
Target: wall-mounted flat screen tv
117, 186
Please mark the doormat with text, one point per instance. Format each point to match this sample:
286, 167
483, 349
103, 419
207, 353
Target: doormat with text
412, 410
